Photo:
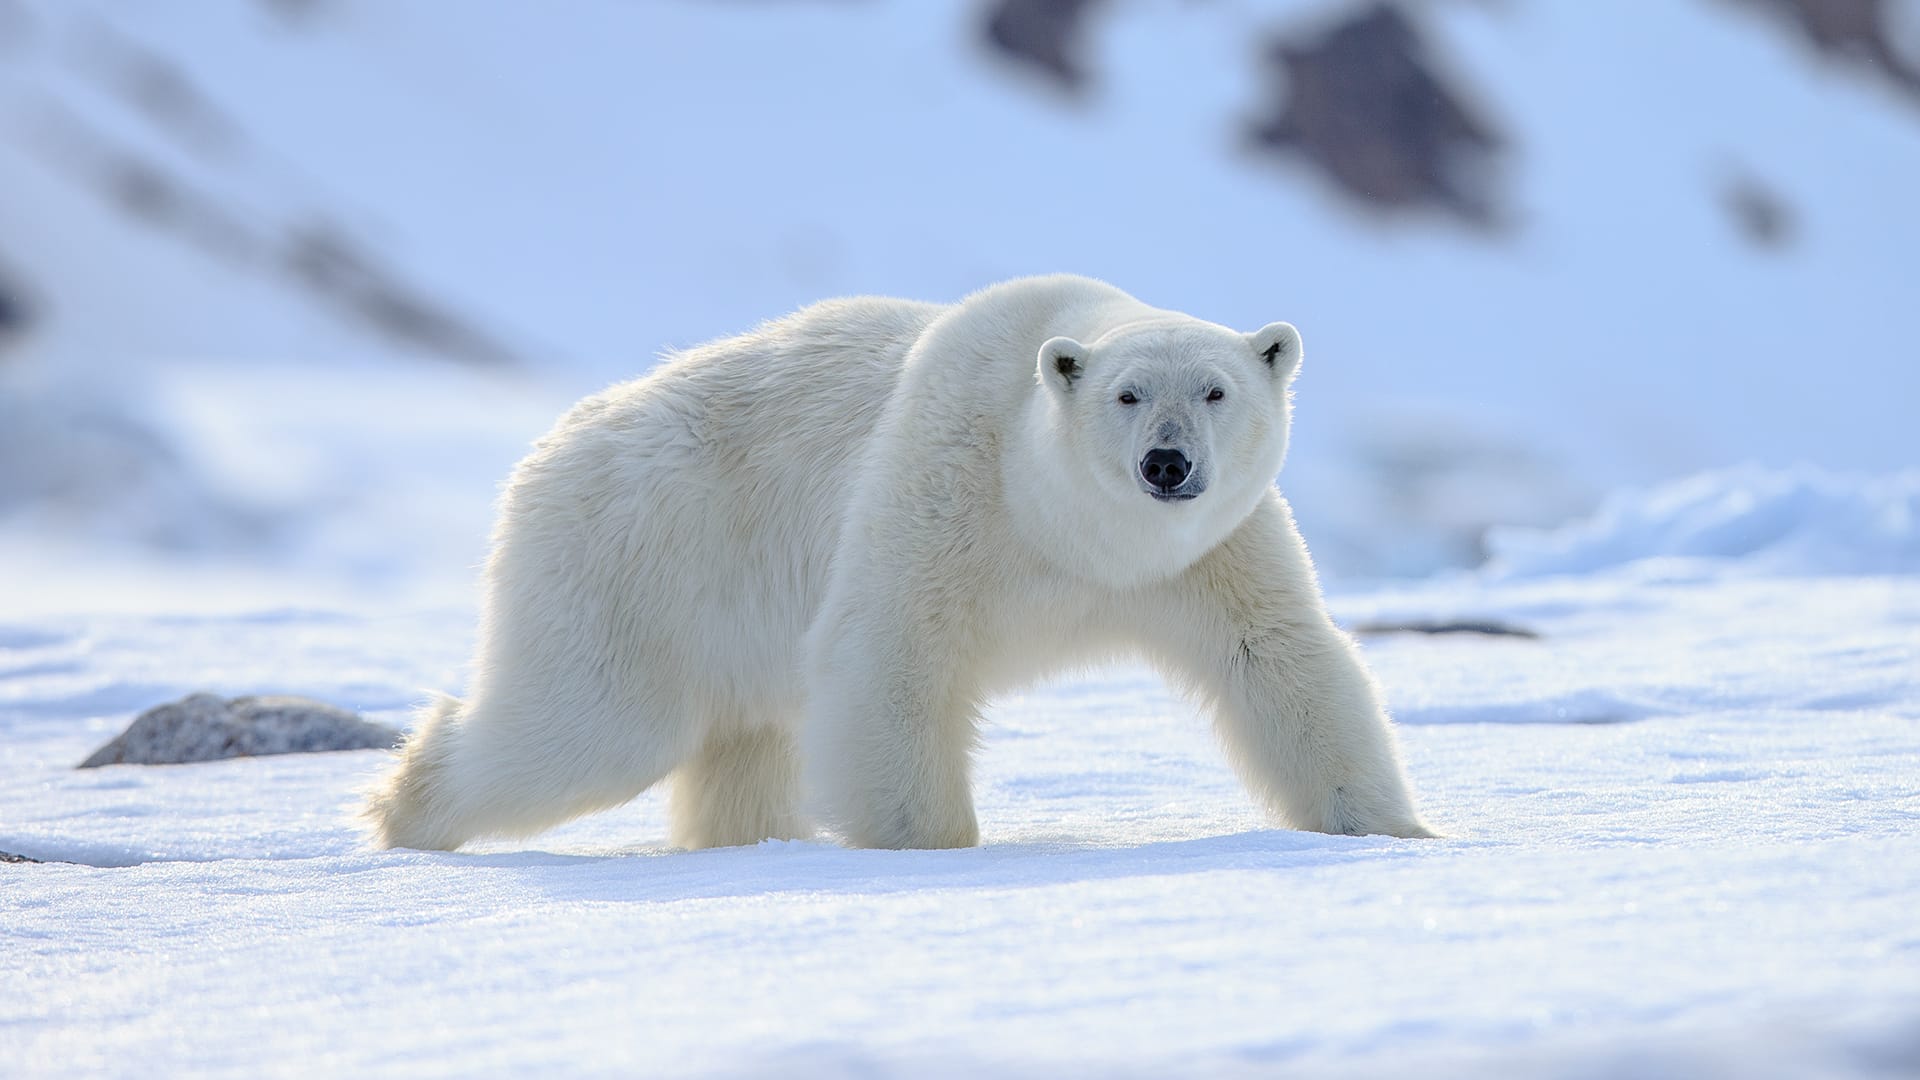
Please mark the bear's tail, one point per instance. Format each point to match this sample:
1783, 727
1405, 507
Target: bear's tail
414, 805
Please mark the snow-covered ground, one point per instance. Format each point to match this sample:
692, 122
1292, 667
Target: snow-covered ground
1681, 842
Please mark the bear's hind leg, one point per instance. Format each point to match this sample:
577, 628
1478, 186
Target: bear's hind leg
411, 806
741, 787
487, 768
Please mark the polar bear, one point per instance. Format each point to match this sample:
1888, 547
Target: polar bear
801, 559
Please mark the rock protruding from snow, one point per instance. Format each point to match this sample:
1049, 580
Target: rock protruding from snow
1801, 521
1042, 35
1367, 102
1865, 35
14, 314
207, 727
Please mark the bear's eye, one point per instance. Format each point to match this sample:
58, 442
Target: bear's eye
1216, 394
1127, 398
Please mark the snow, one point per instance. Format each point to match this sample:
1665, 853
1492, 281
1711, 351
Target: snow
285, 487
1804, 520
1680, 832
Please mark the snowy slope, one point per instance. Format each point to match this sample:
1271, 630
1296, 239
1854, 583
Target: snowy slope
593, 188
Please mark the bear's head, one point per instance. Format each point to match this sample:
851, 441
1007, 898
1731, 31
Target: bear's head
1181, 424
1167, 410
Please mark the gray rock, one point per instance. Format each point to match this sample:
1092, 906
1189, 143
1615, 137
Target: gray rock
1043, 36
16, 314
1369, 102
207, 727
1865, 35
1485, 627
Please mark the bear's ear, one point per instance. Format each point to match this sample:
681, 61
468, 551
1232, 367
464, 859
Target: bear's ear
1062, 362
1278, 346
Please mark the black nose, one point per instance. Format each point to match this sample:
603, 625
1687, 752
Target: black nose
1164, 469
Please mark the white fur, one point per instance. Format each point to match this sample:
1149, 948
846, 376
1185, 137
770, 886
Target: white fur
849, 528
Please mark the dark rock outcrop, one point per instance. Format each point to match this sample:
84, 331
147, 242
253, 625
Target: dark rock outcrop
207, 727
13, 311
1365, 102
1761, 214
1483, 627
1043, 36
1858, 33
163, 93
16, 312
332, 266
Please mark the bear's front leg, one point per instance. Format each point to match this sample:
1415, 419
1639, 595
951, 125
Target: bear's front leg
889, 736
1301, 719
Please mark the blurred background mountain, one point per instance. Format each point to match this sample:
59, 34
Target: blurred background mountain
287, 285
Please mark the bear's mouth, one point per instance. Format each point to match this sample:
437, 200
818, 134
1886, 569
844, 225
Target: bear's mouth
1174, 496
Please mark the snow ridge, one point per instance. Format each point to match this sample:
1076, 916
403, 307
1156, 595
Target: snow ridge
1798, 521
